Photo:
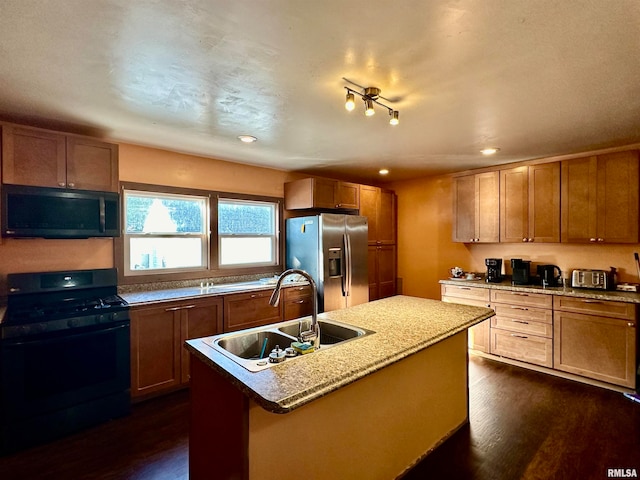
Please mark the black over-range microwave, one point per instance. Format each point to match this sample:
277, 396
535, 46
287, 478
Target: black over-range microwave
57, 213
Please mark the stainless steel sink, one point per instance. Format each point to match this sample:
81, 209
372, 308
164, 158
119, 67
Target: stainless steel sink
245, 347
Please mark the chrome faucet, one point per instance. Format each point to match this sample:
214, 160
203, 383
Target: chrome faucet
313, 334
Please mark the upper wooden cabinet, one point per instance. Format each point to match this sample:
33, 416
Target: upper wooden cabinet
600, 199
321, 193
32, 156
476, 208
379, 206
530, 203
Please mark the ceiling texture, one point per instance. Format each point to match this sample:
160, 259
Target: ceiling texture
536, 78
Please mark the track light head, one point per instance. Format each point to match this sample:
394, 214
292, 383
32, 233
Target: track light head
394, 117
350, 103
368, 107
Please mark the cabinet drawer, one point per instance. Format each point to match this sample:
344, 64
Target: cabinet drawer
526, 348
293, 293
523, 326
246, 310
606, 308
466, 301
463, 291
518, 312
522, 298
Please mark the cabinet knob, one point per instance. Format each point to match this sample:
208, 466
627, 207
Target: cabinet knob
593, 239
71, 185
61, 184
600, 239
631, 324
529, 239
525, 239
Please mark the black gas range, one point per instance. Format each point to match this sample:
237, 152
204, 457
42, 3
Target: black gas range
64, 355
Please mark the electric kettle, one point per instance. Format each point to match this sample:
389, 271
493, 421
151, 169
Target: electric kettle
547, 274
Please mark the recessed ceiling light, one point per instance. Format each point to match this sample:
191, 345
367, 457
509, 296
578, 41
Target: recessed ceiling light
489, 150
247, 138
383, 171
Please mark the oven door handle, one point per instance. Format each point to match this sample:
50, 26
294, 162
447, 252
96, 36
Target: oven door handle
48, 341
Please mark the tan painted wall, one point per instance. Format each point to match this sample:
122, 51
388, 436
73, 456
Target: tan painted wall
426, 252
143, 165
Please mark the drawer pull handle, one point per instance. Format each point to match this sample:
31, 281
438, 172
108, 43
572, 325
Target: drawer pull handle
520, 308
172, 309
520, 294
300, 301
520, 321
518, 336
591, 301
464, 288
188, 306
631, 324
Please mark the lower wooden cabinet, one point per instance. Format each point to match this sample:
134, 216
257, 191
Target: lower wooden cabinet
297, 302
601, 345
479, 335
382, 271
522, 329
251, 309
159, 361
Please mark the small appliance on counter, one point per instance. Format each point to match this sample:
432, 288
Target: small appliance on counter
547, 275
597, 279
494, 270
520, 271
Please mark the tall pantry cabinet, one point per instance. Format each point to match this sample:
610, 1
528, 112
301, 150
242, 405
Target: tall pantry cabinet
379, 206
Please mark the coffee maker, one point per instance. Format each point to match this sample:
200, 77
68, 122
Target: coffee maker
520, 270
494, 269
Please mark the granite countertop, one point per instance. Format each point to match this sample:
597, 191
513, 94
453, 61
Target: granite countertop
403, 325
186, 293
613, 295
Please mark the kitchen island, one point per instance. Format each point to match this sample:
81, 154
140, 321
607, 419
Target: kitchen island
369, 408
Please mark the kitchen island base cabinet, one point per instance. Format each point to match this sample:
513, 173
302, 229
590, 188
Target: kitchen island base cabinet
375, 428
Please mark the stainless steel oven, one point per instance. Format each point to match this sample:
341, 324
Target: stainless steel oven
64, 356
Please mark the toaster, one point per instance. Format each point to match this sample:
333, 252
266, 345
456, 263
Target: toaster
590, 279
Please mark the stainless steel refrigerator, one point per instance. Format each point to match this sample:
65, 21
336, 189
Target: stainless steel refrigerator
333, 250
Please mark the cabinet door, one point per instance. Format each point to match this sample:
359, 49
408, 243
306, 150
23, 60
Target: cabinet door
617, 198
596, 347
479, 335
200, 318
487, 201
386, 267
514, 204
544, 203
325, 193
372, 266
386, 220
369, 198
464, 209
33, 157
578, 199
348, 195
246, 310
155, 349
92, 164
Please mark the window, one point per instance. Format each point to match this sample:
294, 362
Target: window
172, 233
247, 232
165, 232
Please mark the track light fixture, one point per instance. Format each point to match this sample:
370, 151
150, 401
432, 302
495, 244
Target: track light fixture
370, 96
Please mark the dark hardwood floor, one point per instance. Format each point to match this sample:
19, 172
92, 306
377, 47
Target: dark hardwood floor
524, 425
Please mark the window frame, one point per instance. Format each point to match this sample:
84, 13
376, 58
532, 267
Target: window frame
274, 246
214, 269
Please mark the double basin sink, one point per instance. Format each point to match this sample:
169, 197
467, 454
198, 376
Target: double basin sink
246, 347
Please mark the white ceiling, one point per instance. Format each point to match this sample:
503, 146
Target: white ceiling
534, 77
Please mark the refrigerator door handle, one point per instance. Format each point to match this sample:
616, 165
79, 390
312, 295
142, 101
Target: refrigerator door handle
348, 265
